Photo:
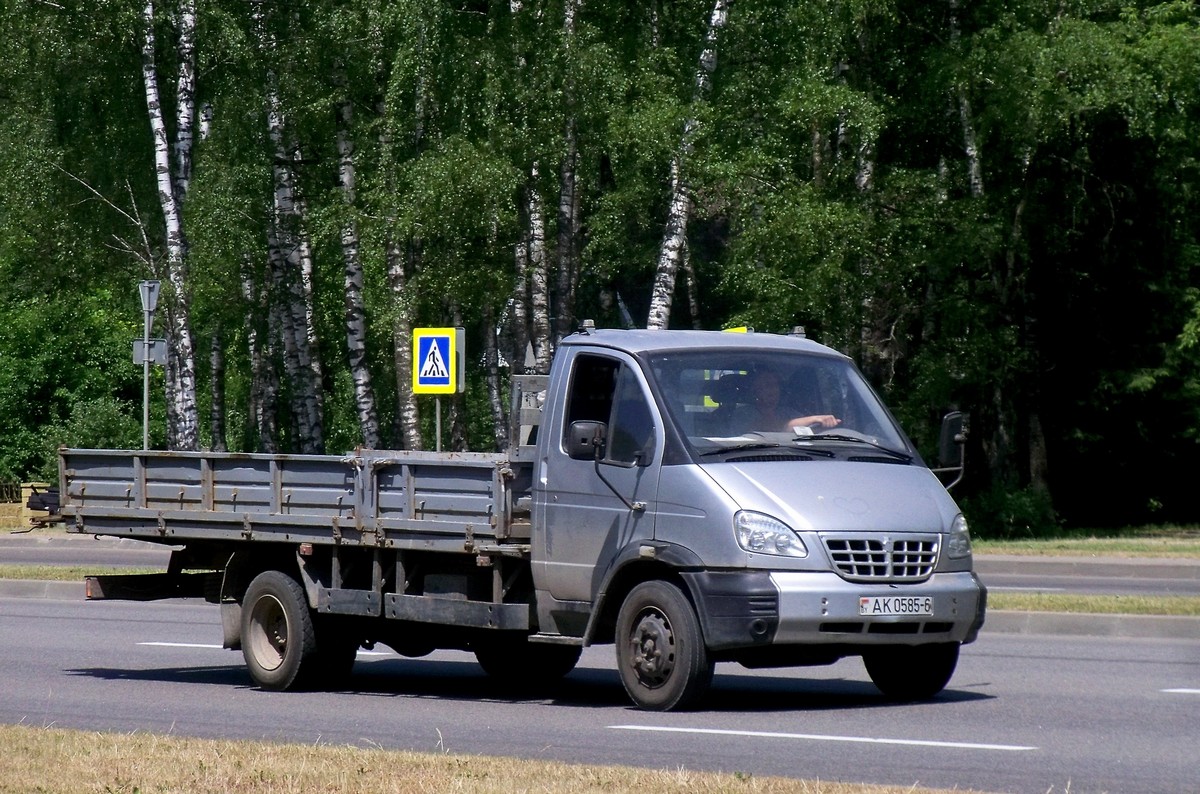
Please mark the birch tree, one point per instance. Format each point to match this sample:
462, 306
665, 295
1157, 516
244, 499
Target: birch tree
674, 241
182, 414
290, 255
356, 321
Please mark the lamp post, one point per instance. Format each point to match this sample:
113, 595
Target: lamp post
149, 292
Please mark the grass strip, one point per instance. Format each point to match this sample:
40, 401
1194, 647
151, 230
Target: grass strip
1182, 606
54, 761
1134, 544
65, 573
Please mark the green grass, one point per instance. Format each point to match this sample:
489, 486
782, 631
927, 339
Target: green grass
1182, 606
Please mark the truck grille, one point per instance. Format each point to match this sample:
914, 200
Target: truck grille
883, 559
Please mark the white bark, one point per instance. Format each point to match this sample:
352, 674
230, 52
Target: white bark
970, 140
264, 387
567, 251
291, 265
409, 415
183, 424
539, 278
216, 360
356, 323
674, 242
185, 95
491, 364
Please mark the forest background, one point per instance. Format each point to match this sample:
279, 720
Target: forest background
989, 205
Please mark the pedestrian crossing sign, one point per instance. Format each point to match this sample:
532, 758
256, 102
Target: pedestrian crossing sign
437, 366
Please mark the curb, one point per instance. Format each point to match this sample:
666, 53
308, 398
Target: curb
1068, 624
1104, 567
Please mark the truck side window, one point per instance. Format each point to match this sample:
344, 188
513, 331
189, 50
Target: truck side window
603, 390
631, 428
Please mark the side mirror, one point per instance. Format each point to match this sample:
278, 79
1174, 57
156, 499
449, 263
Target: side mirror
954, 435
952, 445
586, 440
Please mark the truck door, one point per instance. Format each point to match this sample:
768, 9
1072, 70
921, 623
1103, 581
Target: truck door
586, 521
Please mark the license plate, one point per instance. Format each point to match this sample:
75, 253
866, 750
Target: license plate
895, 605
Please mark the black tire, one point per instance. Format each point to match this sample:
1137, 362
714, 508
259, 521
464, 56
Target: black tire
908, 673
516, 661
278, 640
661, 656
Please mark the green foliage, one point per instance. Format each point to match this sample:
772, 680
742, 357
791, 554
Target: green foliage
1002, 514
828, 169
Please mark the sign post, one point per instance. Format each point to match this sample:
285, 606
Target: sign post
149, 292
438, 366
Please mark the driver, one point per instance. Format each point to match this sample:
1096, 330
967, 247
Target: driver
770, 415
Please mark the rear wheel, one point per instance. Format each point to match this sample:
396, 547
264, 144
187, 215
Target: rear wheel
278, 640
908, 673
660, 648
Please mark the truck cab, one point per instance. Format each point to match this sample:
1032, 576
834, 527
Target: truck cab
706, 496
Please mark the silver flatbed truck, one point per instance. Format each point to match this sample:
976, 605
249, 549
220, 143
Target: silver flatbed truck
651, 499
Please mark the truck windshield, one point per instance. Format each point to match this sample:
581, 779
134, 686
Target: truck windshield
728, 398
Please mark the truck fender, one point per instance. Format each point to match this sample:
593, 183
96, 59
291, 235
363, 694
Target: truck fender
638, 562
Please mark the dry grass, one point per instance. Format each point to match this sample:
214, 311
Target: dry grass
53, 761
65, 573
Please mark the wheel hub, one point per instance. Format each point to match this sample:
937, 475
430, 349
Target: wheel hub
653, 646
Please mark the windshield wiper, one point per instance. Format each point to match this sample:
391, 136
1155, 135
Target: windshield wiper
895, 453
763, 445
741, 447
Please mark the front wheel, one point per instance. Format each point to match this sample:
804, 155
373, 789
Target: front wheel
660, 648
278, 640
907, 673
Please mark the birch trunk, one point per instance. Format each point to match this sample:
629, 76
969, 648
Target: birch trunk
185, 96
356, 323
567, 250
291, 265
674, 243
408, 414
408, 417
216, 414
183, 417
519, 316
491, 363
970, 140
539, 278
264, 387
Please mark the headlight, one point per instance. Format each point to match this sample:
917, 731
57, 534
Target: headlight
958, 541
761, 534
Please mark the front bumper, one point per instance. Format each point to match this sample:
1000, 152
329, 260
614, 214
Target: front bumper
749, 609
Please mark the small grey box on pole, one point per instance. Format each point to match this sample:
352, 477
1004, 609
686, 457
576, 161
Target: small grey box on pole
149, 292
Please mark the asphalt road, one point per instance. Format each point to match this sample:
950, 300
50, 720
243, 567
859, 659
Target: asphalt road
1024, 713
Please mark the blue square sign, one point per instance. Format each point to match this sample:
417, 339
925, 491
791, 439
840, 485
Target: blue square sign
437, 359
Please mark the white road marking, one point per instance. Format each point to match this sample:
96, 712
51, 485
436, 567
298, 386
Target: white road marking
816, 737
1181, 691
179, 645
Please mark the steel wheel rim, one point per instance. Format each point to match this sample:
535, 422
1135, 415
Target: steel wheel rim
268, 632
652, 648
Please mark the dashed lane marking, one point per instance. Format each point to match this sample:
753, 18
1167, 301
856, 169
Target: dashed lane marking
817, 737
